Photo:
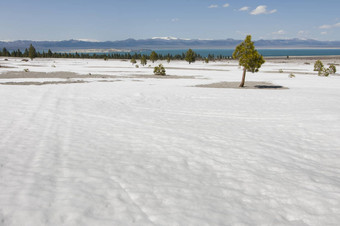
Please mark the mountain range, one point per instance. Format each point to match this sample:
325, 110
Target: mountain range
162, 43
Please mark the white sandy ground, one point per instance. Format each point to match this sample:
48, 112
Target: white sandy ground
161, 152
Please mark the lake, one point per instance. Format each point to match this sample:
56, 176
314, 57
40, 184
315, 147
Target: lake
264, 52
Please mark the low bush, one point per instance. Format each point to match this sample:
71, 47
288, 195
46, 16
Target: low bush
133, 61
159, 70
318, 66
332, 69
325, 72
322, 71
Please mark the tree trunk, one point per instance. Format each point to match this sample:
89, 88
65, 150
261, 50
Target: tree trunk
243, 77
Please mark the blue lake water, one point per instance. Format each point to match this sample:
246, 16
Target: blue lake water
229, 52
264, 52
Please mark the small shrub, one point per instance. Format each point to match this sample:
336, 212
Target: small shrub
26, 70
280, 71
332, 69
206, 60
325, 72
133, 61
291, 75
318, 66
53, 65
137, 66
6, 60
25, 60
106, 58
168, 60
159, 70
307, 63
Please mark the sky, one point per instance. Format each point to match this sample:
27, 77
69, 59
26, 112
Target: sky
110, 20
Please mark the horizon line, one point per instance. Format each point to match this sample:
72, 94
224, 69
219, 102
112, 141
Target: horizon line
166, 39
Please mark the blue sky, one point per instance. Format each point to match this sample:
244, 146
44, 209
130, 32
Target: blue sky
105, 20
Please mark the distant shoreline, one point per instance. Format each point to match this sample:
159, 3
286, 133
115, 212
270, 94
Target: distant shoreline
173, 49
330, 57
266, 52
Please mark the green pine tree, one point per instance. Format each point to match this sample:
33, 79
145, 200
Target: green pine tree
190, 56
249, 58
153, 56
318, 66
5, 52
49, 53
19, 53
32, 53
25, 53
143, 60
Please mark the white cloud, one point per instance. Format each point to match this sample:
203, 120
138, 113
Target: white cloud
324, 33
262, 9
245, 8
325, 26
259, 10
213, 6
226, 5
328, 26
174, 20
279, 32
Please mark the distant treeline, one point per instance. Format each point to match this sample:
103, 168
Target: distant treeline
32, 53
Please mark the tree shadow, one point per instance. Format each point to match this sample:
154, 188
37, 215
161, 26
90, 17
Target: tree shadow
269, 87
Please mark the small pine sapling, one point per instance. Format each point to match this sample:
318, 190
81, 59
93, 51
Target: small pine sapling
332, 69
159, 70
318, 66
249, 58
